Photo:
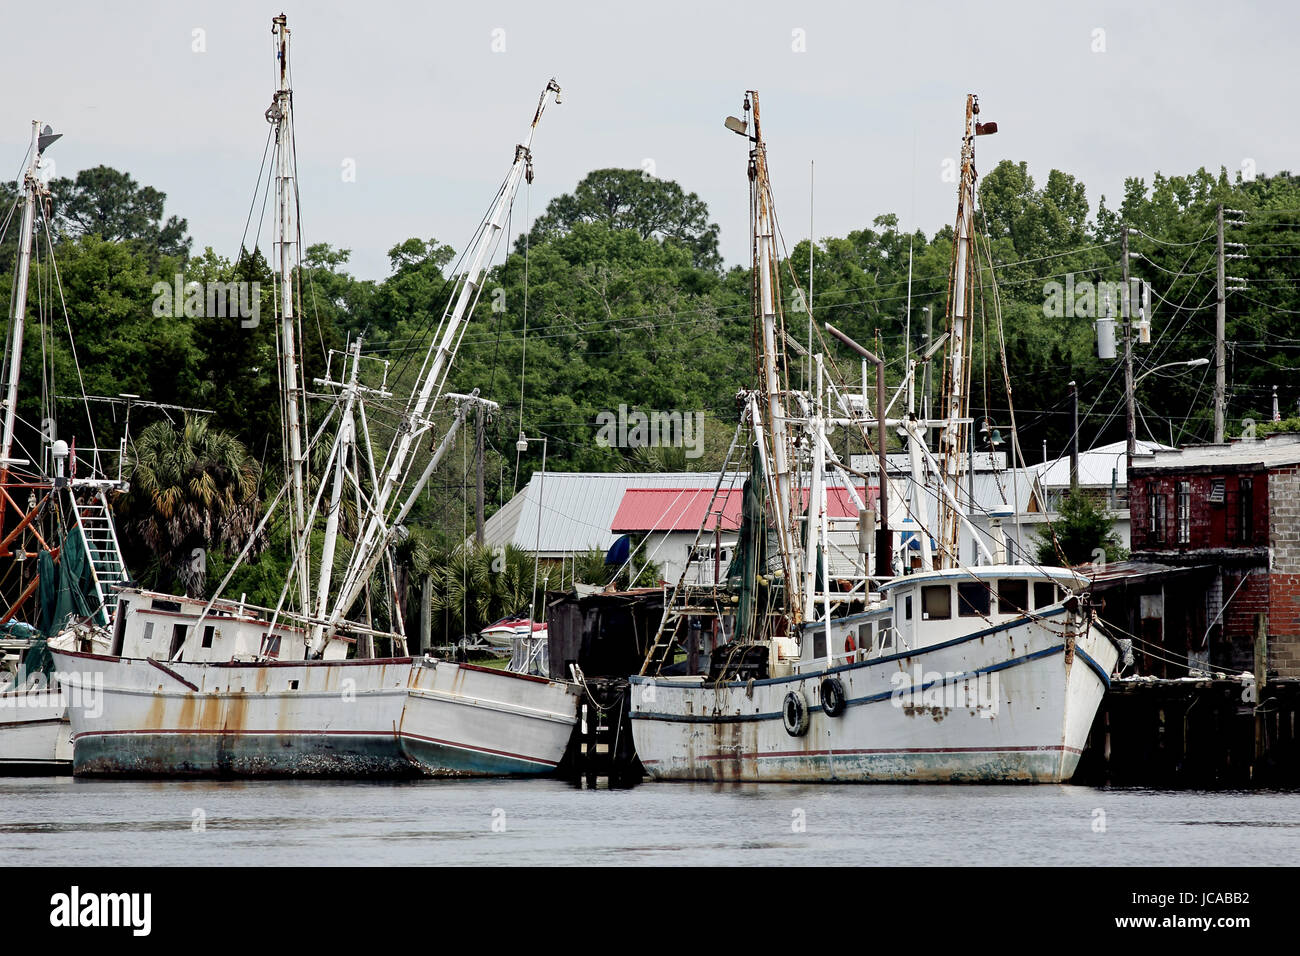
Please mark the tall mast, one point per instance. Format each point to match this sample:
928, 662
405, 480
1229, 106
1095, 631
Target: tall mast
292, 396
32, 190
770, 349
377, 531
955, 437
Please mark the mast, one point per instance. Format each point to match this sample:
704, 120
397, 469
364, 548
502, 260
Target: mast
955, 437
770, 350
32, 190
291, 390
376, 534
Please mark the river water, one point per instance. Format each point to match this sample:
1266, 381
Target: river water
68, 822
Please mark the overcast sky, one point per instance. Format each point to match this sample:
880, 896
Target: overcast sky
415, 95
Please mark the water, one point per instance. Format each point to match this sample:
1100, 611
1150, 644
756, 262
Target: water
72, 822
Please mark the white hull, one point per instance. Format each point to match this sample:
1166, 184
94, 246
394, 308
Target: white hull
1014, 702
461, 719
35, 736
359, 718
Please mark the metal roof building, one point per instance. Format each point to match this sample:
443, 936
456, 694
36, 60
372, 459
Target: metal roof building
577, 509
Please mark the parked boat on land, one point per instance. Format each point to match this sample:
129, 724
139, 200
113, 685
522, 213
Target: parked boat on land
828, 673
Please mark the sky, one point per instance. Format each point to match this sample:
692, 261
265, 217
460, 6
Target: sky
862, 103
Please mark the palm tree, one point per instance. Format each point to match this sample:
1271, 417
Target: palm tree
193, 488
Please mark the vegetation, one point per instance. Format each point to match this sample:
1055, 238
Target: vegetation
1083, 533
628, 304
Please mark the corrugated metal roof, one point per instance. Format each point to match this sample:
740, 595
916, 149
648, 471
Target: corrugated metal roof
577, 509
685, 509
1097, 466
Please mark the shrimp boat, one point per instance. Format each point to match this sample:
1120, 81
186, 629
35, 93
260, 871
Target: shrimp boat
219, 688
58, 549
832, 671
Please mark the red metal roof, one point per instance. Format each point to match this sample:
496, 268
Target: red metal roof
684, 509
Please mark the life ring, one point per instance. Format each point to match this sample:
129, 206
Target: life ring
849, 646
794, 713
833, 699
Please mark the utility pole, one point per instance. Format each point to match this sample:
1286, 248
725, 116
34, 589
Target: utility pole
1130, 427
1074, 437
1220, 320
478, 456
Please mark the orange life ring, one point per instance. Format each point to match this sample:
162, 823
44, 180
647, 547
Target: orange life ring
849, 646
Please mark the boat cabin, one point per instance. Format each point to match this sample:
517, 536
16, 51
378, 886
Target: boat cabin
920, 610
161, 626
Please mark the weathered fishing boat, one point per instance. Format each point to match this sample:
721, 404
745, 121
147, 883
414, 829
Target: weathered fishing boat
832, 673
243, 691
57, 545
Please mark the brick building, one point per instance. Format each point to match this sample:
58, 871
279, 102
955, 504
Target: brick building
1233, 508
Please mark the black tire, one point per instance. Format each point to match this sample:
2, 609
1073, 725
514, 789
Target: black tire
794, 714
833, 698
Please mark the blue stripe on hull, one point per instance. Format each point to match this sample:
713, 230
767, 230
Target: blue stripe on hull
240, 755
443, 760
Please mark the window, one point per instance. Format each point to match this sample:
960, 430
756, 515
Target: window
148, 631
1013, 596
1216, 491
936, 602
819, 643
1184, 512
272, 645
864, 637
907, 608
972, 599
1246, 511
887, 633
1044, 594
1156, 516
178, 639
208, 633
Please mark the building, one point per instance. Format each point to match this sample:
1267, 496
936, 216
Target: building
1235, 508
1103, 476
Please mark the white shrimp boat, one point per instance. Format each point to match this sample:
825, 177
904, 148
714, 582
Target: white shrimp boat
986, 673
241, 691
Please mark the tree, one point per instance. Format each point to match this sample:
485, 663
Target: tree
110, 204
193, 488
1081, 531
629, 199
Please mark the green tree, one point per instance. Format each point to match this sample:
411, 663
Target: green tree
1081, 530
110, 204
193, 489
631, 199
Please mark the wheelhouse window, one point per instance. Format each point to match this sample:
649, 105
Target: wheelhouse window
907, 608
208, 633
1013, 596
972, 599
936, 602
864, 636
886, 633
1045, 594
1184, 512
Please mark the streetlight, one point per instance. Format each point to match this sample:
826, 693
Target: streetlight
1192, 363
521, 446
1132, 430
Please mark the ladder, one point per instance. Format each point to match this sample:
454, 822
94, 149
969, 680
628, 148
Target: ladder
95, 522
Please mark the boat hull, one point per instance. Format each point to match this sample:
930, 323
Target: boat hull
35, 736
1011, 703
386, 718
292, 719
462, 720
